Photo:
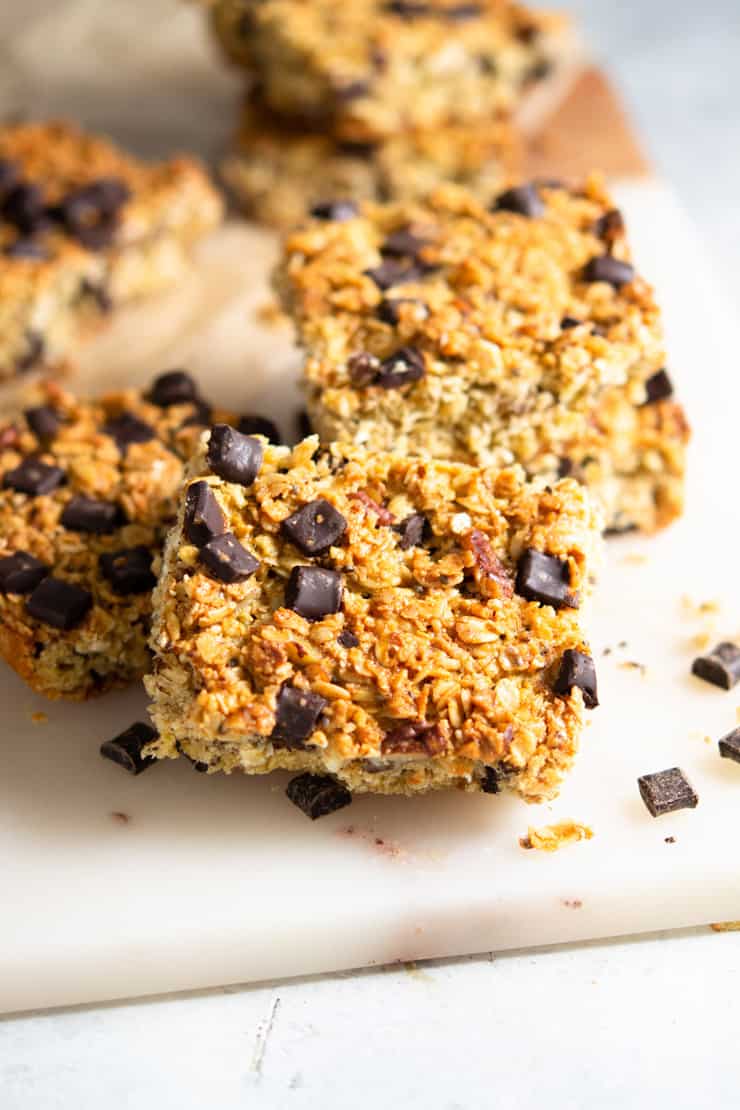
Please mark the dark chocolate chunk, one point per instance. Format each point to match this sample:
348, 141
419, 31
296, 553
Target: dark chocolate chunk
570, 322
525, 200
296, 715
348, 639
339, 210
414, 737
203, 517
21, 572
577, 669
565, 468
658, 387
129, 571
313, 592
363, 368
176, 387
10, 175
546, 579
127, 429
315, 527
26, 247
667, 791
412, 531
234, 456
402, 242
90, 213
490, 781
721, 666
33, 353
87, 514
406, 365
34, 478
24, 207
259, 426
225, 559
393, 271
317, 795
44, 421
610, 270
610, 226
58, 603
126, 749
729, 746
353, 90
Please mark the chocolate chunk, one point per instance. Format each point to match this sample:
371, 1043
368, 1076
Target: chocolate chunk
24, 207
90, 213
577, 669
413, 738
348, 639
721, 666
203, 517
546, 579
352, 90
315, 527
26, 247
296, 715
393, 271
570, 322
339, 210
126, 749
97, 291
127, 429
233, 456
44, 421
729, 746
667, 791
610, 270
33, 354
406, 365
610, 226
10, 175
225, 559
317, 795
402, 242
259, 426
490, 782
389, 309
129, 571
21, 572
87, 514
412, 531
658, 387
34, 478
176, 387
363, 368
58, 603
565, 468
528, 33
525, 200
314, 593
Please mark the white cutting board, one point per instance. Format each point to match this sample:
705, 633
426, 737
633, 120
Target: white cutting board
216, 880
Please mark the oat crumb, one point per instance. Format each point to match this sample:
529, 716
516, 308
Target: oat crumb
726, 926
270, 314
552, 837
633, 665
634, 560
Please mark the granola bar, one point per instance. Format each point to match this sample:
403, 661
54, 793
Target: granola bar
84, 228
369, 69
88, 490
513, 331
401, 624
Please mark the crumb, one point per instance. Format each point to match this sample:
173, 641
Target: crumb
121, 818
622, 645
552, 837
572, 903
270, 314
699, 608
670, 840
707, 739
39, 718
634, 560
701, 641
632, 665
725, 926
606, 651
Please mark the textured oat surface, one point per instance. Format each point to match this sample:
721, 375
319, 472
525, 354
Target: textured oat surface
523, 358
452, 671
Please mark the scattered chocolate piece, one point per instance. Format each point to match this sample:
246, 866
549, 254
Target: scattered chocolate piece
413, 737
259, 426
313, 592
317, 795
525, 200
127, 429
569, 322
577, 669
20, 573
393, 271
406, 365
402, 242
175, 387
670, 839
129, 571
225, 559
126, 749
363, 368
87, 514
24, 207
658, 388
610, 226
546, 579
315, 527
413, 530
565, 468
26, 247
729, 746
44, 421
667, 791
610, 270
490, 782
34, 478
334, 210
721, 666
203, 519
353, 90
348, 639
296, 715
90, 213
58, 603
234, 456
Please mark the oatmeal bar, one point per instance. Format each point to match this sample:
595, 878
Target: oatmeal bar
517, 331
401, 624
88, 490
367, 69
83, 228
277, 171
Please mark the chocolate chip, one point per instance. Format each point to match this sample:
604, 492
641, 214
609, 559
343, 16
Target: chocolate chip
406, 365
34, 478
90, 213
317, 795
58, 603
296, 715
225, 559
490, 782
402, 242
528, 33
608, 269
24, 207
44, 421
413, 738
348, 639
176, 387
10, 175
33, 354
21, 572
87, 514
570, 322
525, 200
363, 368
126, 749
352, 90
339, 210
729, 746
577, 669
233, 456
610, 226
393, 271
314, 593
658, 387
127, 429
565, 468
259, 426
203, 519
412, 531
721, 667
26, 247
97, 292
667, 791
546, 579
129, 571
315, 527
